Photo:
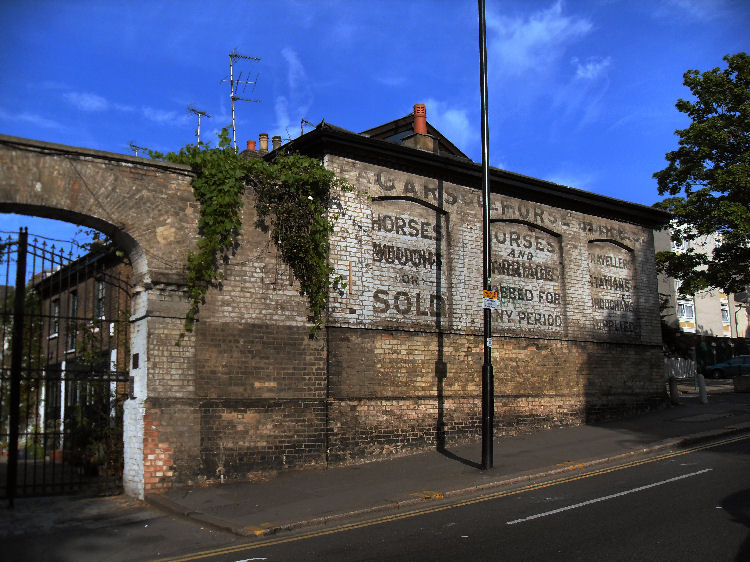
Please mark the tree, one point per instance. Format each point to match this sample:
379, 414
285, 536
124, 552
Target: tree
708, 178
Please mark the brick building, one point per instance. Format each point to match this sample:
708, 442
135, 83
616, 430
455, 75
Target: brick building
78, 381
397, 368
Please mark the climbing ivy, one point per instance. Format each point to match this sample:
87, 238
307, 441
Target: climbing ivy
292, 196
292, 202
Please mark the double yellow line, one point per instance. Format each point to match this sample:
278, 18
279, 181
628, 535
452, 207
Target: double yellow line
444, 507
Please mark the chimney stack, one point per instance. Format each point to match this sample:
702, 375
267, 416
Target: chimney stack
420, 138
251, 145
263, 143
276, 141
420, 119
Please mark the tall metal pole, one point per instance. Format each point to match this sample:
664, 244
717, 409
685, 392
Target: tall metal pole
488, 390
231, 90
16, 366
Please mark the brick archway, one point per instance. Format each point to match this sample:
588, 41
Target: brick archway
148, 209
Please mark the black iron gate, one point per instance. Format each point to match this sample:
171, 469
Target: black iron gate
63, 368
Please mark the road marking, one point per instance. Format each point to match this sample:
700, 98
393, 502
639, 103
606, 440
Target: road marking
605, 498
261, 543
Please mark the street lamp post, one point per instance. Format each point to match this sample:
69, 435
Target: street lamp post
488, 391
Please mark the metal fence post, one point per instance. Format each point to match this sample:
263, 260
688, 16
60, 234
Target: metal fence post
16, 364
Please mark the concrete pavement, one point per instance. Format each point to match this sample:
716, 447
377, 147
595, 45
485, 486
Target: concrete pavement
300, 498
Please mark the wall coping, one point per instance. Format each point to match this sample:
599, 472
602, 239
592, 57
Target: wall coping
63, 149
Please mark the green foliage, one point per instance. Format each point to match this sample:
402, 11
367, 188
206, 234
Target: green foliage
31, 359
708, 178
218, 186
292, 198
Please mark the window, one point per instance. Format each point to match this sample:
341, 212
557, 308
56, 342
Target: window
725, 312
55, 317
73, 318
679, 246
685, 310
101, 291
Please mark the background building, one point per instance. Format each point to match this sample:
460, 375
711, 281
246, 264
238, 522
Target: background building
710, 313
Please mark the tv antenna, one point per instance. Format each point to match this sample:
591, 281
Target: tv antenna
234, 85
302, 124
135, 148
199, 113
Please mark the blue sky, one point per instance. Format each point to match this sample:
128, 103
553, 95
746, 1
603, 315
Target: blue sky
581, 92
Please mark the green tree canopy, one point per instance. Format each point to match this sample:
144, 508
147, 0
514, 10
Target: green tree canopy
708, 180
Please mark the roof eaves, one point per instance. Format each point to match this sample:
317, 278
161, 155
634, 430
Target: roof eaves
334, 140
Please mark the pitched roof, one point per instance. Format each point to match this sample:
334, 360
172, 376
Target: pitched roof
378, 149
396, 130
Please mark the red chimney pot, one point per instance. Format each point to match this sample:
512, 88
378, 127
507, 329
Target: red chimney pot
251, 145
420, 118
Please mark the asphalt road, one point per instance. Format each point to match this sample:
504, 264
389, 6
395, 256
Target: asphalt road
693, 506
685, 506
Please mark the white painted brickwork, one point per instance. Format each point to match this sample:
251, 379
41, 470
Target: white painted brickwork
410, 249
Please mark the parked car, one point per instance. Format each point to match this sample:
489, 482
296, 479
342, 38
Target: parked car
739, 365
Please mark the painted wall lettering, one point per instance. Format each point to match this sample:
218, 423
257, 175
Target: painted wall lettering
526, 269
407, 303
407, 274
447, 195
411, 248
612, 289
511, 268
407, 257
405, 226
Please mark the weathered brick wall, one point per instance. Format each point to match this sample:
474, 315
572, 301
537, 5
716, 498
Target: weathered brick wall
391, 391
145, 205
148, 208
170, 442
260, 379
576, 332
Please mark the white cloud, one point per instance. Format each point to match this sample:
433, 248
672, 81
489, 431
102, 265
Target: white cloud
293, 106
30, 118
580, 101
591, 69
296, 75
86, 101
121, 107
281, 107
163, 117
700, 10
579, 180
518, 44
453, 122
